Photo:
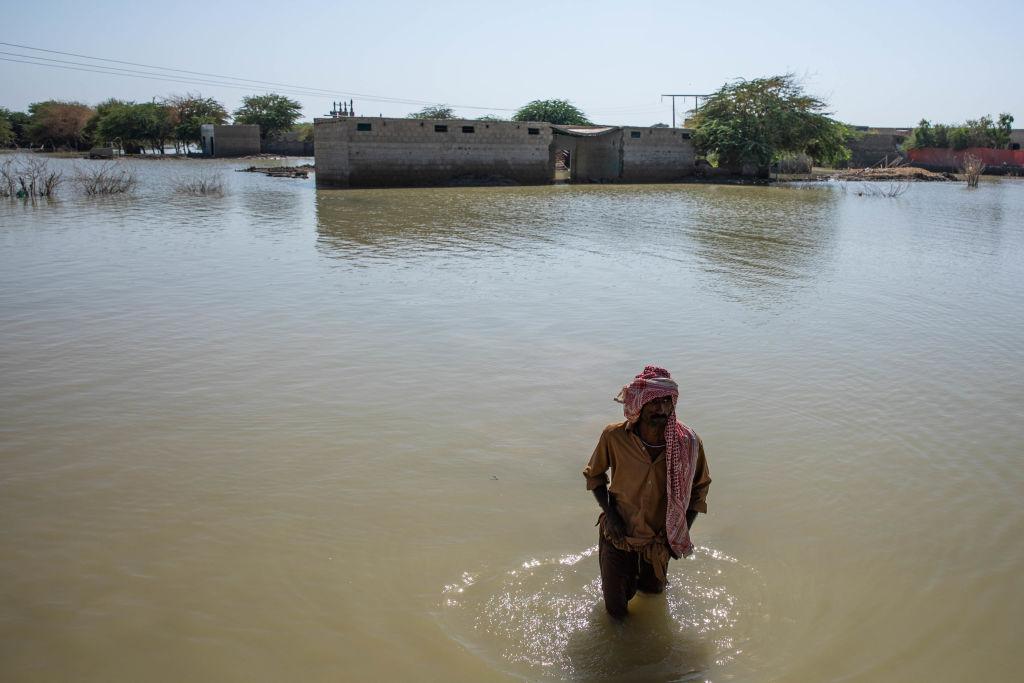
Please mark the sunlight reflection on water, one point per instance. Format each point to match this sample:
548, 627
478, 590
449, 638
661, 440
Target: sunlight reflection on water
546, 618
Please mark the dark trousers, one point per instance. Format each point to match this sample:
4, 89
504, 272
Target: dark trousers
623, 573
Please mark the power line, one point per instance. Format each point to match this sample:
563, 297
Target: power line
292, 89
112, 71
161, 68
149, 77
239, 83
696, 102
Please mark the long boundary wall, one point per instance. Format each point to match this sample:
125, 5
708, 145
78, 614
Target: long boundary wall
379, 152
996, 161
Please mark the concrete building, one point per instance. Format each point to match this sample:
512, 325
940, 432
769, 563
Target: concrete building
230, 141
876, 145
385, 152
1017, 139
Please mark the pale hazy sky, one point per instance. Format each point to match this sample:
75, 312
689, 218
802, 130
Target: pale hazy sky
877, 63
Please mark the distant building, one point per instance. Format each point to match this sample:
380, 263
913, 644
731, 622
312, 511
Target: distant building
874, 146
1017, 139
230, 141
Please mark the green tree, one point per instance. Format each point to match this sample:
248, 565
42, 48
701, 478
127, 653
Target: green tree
6, 130
758, 121
434, 111
960, 137
273, 113
1003, 128
923, 135
92, 127
134, 125
303, 131
490, 117
19, 122
981, 132
56, 124
559, 112
191, 111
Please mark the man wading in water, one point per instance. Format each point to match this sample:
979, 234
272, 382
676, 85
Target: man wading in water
659, 483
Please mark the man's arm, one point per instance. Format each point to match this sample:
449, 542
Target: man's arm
614, 524
596, 473
701, 484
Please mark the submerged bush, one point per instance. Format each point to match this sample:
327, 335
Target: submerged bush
210, 184
104, 179
894, 188
972, 168
28, 178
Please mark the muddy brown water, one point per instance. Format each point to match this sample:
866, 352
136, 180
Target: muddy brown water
320, 436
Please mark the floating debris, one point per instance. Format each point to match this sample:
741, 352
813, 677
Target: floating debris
894, 173
280, 171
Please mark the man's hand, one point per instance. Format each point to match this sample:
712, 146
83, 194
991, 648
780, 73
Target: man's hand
614, 525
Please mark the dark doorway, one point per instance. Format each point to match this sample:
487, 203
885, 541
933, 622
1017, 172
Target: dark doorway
563, 165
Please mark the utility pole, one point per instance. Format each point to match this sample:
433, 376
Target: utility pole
696, 102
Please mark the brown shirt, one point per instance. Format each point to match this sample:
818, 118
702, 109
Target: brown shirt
637, 483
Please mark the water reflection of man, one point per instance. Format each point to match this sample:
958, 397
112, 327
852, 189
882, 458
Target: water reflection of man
659, 483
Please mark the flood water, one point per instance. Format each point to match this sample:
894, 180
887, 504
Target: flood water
289, 435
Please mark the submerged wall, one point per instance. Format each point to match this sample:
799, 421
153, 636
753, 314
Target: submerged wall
651, 155
230, 140
379, 152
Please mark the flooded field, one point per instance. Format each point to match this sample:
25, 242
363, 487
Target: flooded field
289, 435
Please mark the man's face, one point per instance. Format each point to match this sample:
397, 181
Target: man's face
656, 411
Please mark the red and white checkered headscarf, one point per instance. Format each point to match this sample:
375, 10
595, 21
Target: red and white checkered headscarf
681, 448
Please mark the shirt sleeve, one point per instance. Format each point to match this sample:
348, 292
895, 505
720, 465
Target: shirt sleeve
596, 471
701, 482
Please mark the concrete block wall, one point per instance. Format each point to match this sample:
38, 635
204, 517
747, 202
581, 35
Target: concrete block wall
657, 155
231, 140
599, 158
874, 146
380, 152
331, 153
288, 148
